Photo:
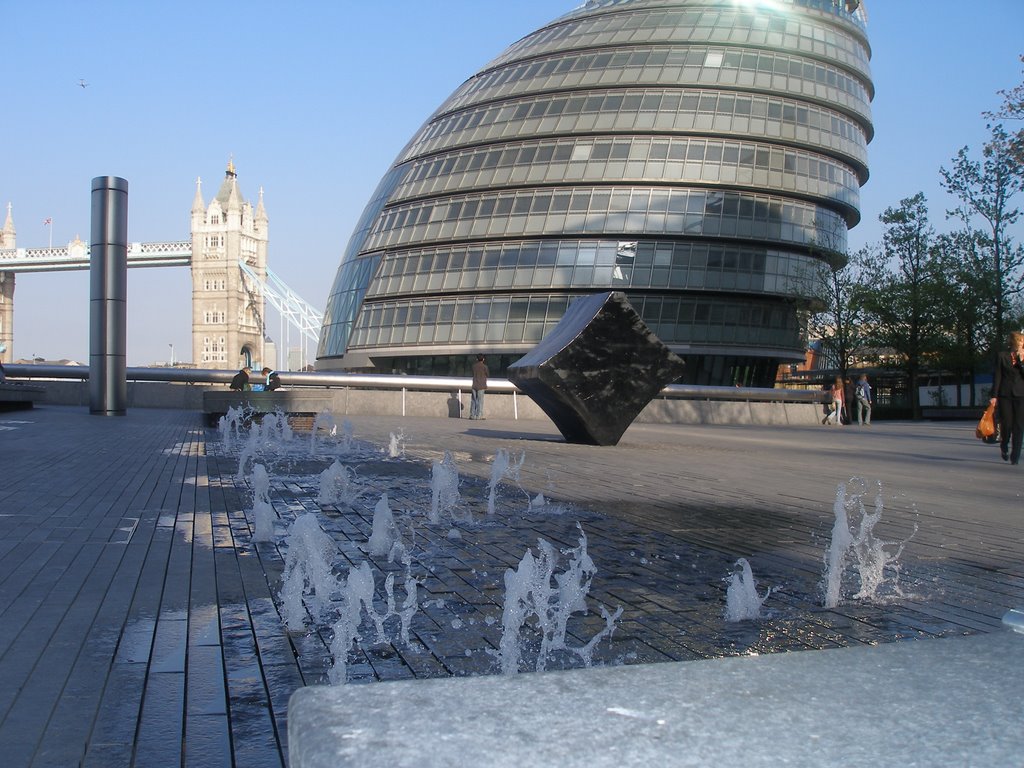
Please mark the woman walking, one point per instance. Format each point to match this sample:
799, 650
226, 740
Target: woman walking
838, 395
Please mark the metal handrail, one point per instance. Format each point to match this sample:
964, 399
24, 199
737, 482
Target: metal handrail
382, 381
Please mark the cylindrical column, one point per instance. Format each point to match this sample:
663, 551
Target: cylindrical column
108, 297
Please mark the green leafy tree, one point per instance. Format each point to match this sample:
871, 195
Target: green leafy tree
985, 189
961, 346
904, 302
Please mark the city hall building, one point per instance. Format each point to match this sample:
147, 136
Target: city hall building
703, 156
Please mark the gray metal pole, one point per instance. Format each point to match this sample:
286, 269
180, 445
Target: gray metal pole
108, 297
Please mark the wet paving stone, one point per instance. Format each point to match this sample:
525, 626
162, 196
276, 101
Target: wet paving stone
141, 622
671, 587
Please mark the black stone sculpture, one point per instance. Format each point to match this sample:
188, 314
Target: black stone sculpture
596, 370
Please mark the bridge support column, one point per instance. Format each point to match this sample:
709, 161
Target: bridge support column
108, 294
7, 316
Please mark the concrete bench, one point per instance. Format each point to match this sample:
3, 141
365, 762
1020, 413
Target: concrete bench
293, 402
15, 397
940, 702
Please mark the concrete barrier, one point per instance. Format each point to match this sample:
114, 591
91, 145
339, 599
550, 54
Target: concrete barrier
939, 702
15, 397
436, 403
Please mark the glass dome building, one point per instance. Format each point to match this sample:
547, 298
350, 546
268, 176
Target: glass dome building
703, 156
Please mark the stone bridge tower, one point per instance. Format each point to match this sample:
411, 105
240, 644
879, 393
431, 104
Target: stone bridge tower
228, 310
7, 293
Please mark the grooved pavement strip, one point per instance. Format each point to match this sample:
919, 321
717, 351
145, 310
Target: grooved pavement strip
139, 623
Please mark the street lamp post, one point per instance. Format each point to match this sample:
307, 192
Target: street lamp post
172, 354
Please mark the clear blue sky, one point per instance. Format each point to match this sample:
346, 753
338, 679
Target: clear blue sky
315, 99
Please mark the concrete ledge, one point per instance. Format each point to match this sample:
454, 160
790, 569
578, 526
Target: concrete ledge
290, 401
15, 397
454, 403
948, 702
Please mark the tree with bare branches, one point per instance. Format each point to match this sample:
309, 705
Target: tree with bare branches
1013, 109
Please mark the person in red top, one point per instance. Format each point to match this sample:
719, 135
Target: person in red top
1008, 397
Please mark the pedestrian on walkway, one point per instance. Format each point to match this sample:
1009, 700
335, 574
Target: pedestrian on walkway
480, 374
836, 414
863, 397
240, 382
271, 380
1008, 397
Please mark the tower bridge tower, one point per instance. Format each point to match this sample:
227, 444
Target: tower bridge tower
7, 293
228, 309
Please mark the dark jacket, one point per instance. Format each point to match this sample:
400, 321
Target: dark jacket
480, 374
240, 381
1009, 377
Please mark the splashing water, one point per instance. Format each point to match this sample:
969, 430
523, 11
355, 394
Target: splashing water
444, 487
742, 602
853, 535
396, 444
263, 516
271, 435
384, 535
503, 467
247, 454
273, 429
357, 593
323, 421
529, 593
337, 486
260, 483
262, 510
230, 425
357, 601
307, 572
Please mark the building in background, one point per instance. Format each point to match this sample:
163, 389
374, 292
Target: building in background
703, 156
228, 309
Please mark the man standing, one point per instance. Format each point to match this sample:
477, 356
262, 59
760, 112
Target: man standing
863, 396
480, 373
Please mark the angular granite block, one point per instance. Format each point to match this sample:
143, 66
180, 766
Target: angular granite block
596, 370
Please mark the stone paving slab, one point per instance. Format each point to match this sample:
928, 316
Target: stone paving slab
139, 623
853, 707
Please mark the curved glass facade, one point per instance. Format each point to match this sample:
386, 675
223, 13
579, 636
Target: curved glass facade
695, 154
